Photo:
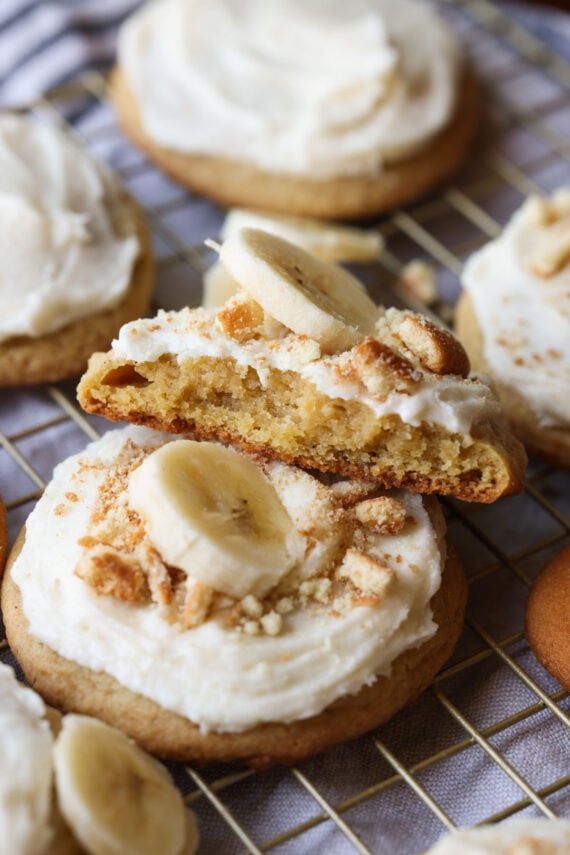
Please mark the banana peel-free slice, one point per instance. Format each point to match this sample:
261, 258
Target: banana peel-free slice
117, 799
307, 295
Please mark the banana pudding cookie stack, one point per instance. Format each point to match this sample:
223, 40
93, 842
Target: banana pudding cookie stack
75, 786
514, 320
223, 604
76, 256
219, 606
348, 110
301, 365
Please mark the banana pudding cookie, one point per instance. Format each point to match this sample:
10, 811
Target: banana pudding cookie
216, 606
76, 255
514, 320
56, 776
303, 366
516, 837
331, 109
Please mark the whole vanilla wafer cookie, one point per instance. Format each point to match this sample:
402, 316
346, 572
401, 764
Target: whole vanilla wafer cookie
547, 622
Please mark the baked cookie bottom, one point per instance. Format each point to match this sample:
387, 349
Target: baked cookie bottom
72, 687
235, 183
548, 617
287, 418
551, 443
65, 352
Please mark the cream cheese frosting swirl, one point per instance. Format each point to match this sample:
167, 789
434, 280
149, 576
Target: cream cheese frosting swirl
316, 89
520, 288
65, 252
237, 680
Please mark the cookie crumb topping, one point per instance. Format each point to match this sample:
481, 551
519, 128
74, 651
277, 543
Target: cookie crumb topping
546, 248
341, 522
418, 279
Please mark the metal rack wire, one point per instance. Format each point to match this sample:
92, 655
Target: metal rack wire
491, 738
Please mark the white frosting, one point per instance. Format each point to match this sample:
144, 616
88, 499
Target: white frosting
25, 769
322, 88
446, 400
215, 675
61, 257
524, 318
516, 837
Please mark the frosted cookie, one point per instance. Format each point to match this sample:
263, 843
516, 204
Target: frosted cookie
335, 112
516, 837
514, 320
218, 607
76, 255
547, 618
56, 776
325, 240
303, 366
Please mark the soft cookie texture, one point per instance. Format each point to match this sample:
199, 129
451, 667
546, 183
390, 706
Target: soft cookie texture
268, 679
514, 321
266, 124
548, 617
302, 366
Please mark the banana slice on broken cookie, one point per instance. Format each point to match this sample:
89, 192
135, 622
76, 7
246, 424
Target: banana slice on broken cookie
326, 241
117, 799
210, 511
307, 295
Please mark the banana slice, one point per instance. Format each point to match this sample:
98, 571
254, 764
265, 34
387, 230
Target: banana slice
326, 241
218, 286
116, 799
210, 511
307, 295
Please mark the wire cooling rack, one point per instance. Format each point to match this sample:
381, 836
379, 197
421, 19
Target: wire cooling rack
491, 738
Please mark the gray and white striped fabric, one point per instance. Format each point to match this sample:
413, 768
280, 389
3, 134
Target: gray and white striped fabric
43, 44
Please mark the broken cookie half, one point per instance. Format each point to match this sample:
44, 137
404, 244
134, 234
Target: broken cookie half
301, 365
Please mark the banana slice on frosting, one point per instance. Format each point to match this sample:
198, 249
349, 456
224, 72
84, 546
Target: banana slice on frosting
211, 512
326, 241
306, 294
117, 799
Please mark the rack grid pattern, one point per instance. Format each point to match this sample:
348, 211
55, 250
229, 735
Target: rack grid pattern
491, 738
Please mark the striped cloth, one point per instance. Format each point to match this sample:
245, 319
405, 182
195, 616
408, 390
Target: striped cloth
43, 44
